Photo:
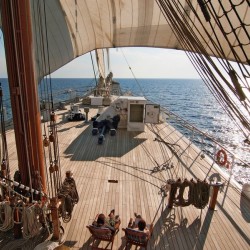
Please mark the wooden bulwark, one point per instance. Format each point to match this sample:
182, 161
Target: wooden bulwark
142, 165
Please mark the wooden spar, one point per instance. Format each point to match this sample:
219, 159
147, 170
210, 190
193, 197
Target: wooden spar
17, 30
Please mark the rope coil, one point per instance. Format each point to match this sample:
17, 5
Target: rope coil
31, 225
8, 220
198, 193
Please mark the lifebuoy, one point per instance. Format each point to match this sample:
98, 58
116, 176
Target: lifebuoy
218, 157
228, 164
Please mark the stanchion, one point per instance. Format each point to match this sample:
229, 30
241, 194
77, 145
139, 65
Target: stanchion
86, 110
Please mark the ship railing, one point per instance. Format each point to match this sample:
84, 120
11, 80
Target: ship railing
57, 102
72, 96
179, 121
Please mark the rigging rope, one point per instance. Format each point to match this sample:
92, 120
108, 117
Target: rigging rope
133, 74
180, 20
44, 88
48, 55
53, 172
5, 169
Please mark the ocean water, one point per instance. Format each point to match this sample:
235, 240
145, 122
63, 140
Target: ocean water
188, 98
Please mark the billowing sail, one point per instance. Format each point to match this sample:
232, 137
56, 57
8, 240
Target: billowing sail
100, 62
73, 27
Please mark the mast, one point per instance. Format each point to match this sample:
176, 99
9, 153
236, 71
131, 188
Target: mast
17, 29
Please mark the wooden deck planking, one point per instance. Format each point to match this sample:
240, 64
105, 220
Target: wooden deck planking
127, 157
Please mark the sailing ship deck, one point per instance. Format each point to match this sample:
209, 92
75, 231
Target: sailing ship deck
135, 160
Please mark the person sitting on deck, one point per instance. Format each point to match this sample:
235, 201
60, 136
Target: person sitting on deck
111, 222
140, 225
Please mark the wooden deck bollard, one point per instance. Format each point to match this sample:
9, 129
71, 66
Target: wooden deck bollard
213, 199
54, 205
17, 229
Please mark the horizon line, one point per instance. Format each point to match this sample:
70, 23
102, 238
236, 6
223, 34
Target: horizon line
120, 78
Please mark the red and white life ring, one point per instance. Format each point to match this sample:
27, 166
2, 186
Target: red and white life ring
221, 157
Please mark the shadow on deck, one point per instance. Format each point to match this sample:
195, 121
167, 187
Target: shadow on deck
86, 148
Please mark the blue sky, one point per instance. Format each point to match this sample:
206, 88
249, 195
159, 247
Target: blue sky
144, 62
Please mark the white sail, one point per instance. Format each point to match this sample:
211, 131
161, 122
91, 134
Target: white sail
76, 27
100, 62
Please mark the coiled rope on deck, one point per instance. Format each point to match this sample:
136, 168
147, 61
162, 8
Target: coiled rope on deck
8, 220
198, 193
31, 225
201, 194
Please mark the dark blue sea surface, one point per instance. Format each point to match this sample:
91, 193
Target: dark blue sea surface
188, 98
